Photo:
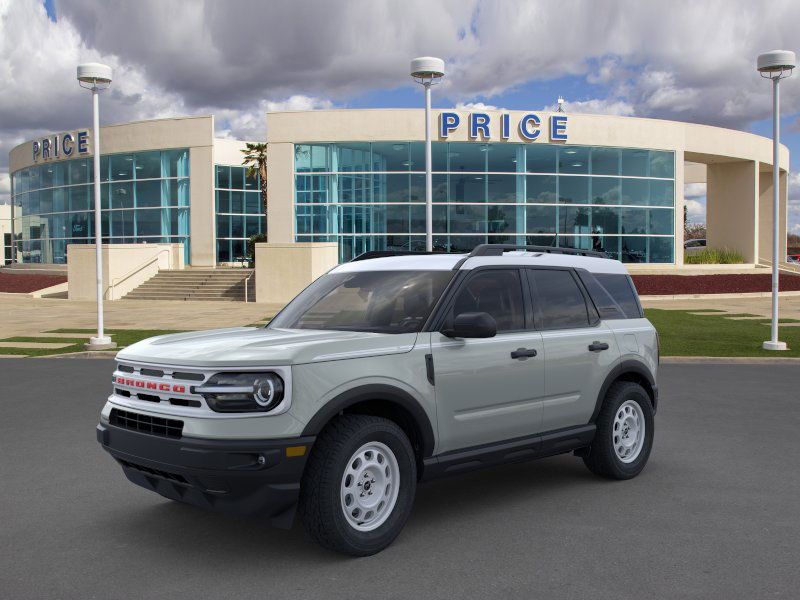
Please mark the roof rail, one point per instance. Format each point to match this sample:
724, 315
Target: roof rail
498, 249
384, 253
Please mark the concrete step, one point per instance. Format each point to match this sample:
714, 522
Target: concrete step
196, 284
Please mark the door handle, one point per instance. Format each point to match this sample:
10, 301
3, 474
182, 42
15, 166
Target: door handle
598, 346
523, 353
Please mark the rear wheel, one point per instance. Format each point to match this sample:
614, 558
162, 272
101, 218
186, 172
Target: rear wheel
624, 433
359, 485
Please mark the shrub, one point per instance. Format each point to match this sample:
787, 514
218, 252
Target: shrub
714, 256
251, 247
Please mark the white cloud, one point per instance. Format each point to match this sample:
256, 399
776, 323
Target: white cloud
475, 106
690, 61
597, 106
694, 190
250, 124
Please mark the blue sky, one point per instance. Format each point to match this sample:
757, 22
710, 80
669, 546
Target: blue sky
682, 60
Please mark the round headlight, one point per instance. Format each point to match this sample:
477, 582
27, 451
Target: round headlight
264, 393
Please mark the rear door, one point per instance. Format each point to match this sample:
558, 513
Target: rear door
485, 394
579, 349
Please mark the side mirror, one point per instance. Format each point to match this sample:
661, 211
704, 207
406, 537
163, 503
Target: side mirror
472, 325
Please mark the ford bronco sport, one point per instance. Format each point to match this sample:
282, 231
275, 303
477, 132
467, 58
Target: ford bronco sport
386, 371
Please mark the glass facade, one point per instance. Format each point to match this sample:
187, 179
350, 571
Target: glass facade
144, 198
239, 212
370, 196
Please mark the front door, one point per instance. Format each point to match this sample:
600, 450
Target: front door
483, 393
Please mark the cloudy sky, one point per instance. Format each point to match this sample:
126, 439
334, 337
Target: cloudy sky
683, 60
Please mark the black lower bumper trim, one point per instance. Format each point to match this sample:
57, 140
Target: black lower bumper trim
251, 478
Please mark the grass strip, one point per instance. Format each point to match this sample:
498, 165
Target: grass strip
685, 334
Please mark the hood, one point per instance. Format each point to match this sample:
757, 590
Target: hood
256, 346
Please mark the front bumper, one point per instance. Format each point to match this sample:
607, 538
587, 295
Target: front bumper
240, 477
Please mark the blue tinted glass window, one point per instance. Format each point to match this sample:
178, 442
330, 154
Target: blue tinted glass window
573, 159
573, 190
541, 188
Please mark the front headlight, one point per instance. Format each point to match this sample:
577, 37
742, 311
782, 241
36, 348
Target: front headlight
242, 392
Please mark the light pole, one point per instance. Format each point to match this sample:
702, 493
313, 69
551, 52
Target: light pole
775, 65
97, 77
428, 70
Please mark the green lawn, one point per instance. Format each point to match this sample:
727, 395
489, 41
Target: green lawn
685, 334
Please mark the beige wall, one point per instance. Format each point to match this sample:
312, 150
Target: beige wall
284, 270
732, 207
125, 267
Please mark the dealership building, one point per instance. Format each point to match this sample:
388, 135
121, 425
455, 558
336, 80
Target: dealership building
356, 178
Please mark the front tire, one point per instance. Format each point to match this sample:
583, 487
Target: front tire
359, 485
624, 435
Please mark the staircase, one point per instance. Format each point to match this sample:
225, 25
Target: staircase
197, 284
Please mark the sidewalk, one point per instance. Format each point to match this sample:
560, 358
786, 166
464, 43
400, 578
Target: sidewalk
24, 316
789, 307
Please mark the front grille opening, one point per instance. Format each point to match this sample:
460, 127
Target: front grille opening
125, 368
148, 397
157, 472
187, 376
158, 426
124, 393
151, 372
185, 402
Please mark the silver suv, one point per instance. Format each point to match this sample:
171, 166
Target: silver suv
387, 371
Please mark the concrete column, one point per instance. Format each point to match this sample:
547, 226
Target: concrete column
280, 193
203, 229
764, 225
732, 212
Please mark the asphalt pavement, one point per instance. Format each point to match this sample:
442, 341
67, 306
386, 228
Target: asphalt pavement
714, 514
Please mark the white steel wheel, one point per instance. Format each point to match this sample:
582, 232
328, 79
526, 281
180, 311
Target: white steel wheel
369, 487
629, 431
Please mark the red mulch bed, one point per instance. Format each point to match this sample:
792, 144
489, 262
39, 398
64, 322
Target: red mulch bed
662, 285
23, 284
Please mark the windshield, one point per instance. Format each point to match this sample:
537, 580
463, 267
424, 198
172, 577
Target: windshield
376, 301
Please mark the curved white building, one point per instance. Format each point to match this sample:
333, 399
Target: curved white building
355, 177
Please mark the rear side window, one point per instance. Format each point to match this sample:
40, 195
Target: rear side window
558, 299
620, 288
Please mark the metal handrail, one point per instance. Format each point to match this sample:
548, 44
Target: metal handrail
246, 280
116, 281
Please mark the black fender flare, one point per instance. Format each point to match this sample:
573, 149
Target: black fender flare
376, 391
623, 368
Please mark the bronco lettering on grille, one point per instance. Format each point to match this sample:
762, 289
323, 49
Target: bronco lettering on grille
149, 385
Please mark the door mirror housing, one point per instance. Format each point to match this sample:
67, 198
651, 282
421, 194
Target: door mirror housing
472, 325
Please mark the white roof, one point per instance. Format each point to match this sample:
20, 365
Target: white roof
446, 262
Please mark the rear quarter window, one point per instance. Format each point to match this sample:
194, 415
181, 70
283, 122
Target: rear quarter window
621, 289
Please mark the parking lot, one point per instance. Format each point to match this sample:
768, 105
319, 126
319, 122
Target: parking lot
714, 514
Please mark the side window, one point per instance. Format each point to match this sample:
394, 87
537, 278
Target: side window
620, 288
606, 305
559, 299
497, 292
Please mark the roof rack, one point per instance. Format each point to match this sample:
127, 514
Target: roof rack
384, 253
498, 249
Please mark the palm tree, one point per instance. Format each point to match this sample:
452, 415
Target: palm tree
255, 159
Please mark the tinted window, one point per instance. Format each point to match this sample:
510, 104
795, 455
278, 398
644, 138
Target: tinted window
377, 301
621, 289
497, 292
605, 304
559, 299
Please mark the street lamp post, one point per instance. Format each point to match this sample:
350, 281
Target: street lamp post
97, 77
428, 70
775, 65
